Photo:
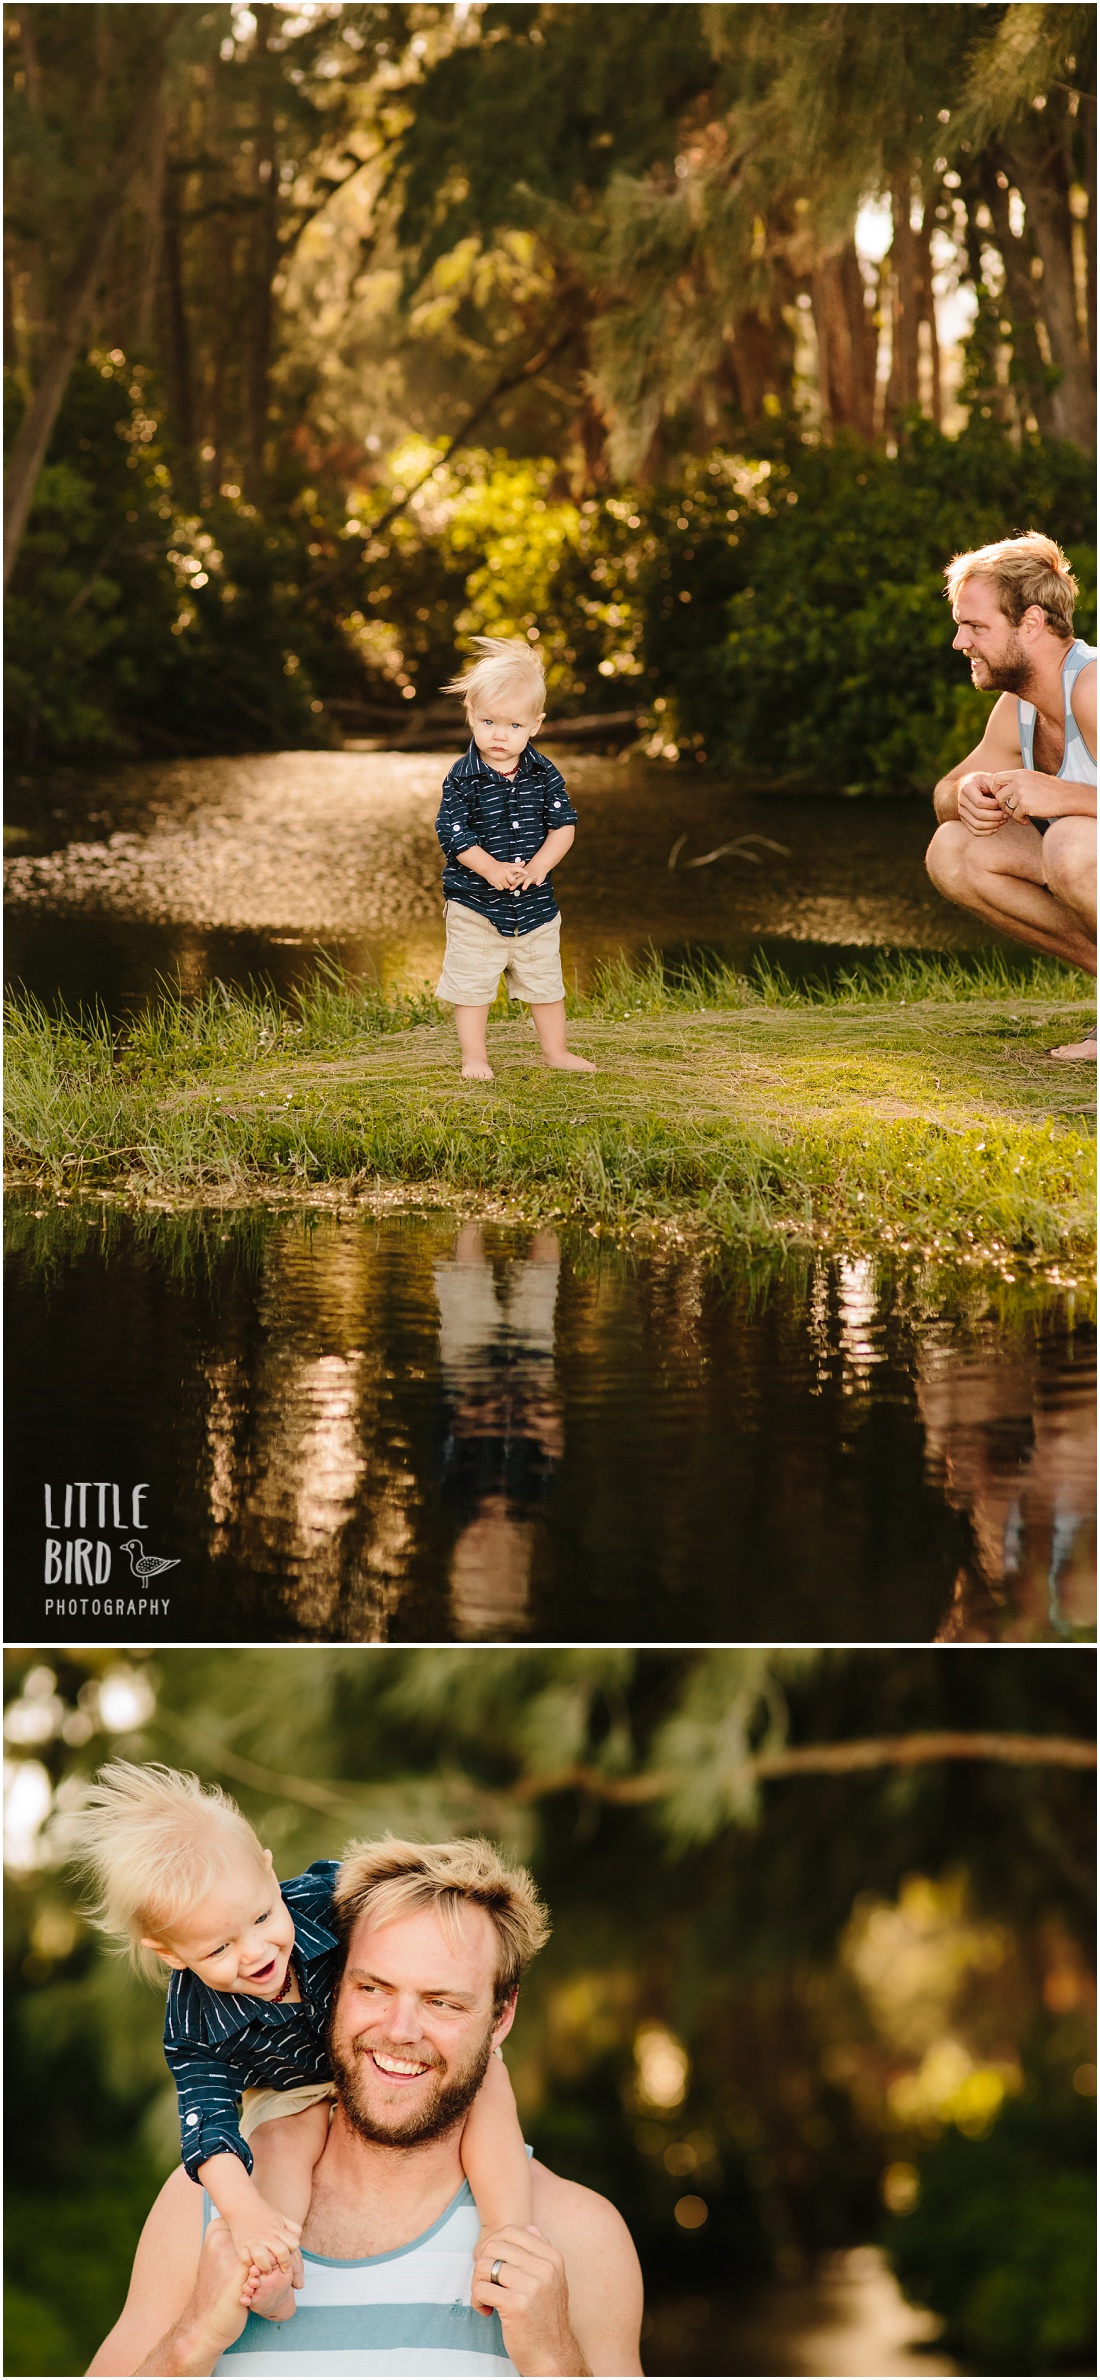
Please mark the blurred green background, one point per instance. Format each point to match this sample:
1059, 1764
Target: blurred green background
778, 2021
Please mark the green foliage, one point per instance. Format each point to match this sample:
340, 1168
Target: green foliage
1002, 2241
134, 625
815, 641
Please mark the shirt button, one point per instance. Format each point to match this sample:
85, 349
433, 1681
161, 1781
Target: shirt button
192, 2119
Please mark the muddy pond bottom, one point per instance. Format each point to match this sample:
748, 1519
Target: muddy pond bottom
272, 1426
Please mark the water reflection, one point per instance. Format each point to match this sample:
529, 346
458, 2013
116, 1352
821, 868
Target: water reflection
504, 1431
1011, 1432
402, 1428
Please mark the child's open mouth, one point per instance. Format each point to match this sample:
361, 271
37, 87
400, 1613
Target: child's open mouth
265, 1974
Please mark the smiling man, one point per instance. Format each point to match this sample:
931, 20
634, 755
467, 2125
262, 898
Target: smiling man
434, 1939
1017, 839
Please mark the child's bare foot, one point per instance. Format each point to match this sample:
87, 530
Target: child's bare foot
569, 1063
477, 1070
269, 2294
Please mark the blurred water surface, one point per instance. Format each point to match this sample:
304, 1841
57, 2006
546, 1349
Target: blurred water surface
242, 868
408, 1427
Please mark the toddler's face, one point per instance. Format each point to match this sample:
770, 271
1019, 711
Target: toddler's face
239, 1938
501, 727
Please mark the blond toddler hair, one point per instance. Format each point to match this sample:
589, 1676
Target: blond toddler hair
153, 1841
505, 664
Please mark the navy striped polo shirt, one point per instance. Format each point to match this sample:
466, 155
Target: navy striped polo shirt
219, 2044
510, 817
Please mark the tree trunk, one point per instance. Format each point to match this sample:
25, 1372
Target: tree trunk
153, 243
904, 384
77, 297
177, 342
264, 262
1036, 164
1022, 296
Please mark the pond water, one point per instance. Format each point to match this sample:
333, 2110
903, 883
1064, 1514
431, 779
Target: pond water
407, 1427
845, 2317
239, 868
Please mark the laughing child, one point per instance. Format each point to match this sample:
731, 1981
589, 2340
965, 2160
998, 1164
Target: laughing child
183, 1882
504, 822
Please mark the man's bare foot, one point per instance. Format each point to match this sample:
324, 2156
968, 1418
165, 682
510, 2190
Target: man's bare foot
1082, 1050
269, 2294
569, 1063
477, 1070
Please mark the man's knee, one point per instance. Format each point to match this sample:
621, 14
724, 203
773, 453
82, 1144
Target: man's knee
947, 858
1069, 860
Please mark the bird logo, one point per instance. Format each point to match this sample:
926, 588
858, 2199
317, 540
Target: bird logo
146, 1566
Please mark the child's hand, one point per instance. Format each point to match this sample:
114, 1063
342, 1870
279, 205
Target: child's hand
503, 874
533, 873
266, 2238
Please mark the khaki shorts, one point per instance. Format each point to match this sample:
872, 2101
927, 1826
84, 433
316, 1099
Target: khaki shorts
261, 2107
477, 956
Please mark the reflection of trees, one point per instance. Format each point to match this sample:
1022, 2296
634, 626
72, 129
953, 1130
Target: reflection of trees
504, 1423
312, 1480
1010, 1427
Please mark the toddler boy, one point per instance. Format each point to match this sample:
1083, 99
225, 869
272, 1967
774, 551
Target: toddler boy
504, 822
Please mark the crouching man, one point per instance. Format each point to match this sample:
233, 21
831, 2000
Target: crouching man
1017, 839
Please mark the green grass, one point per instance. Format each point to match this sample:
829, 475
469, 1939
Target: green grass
909, 1105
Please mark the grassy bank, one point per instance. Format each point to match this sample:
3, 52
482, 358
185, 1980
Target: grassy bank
911, 1105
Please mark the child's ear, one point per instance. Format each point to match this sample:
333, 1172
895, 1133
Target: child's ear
163, 1952
269, 1862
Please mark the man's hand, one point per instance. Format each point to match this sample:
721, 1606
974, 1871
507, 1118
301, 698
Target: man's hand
1023, 793
213, 2316
532, 2299
980, 809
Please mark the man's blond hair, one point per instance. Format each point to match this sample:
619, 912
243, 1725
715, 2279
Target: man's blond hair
1024, 570
389, 1879
152, 1841
505, 666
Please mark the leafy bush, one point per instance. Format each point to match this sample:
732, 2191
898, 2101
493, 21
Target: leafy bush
794, 609
1002, 2240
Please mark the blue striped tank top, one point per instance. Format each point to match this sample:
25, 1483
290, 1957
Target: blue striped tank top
1078, 763
406, 2312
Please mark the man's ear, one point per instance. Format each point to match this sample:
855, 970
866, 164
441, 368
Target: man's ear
505, 2021
1034, 619
163, 1952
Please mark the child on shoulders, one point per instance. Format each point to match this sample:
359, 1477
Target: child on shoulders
184, 1883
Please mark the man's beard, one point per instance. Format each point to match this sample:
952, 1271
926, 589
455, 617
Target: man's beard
1010, 675
445, 2109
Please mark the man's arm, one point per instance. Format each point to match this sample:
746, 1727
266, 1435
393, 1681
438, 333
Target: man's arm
999, 749
183, 2307
587, 2307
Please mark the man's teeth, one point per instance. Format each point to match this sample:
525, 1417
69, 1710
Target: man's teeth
398, 2065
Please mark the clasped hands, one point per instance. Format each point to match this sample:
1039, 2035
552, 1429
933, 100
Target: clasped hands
988, 799
514, 875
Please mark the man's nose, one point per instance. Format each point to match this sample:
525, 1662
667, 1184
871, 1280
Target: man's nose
958, 641
405, 2022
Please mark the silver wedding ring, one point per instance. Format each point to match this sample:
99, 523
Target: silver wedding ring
494, 2271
